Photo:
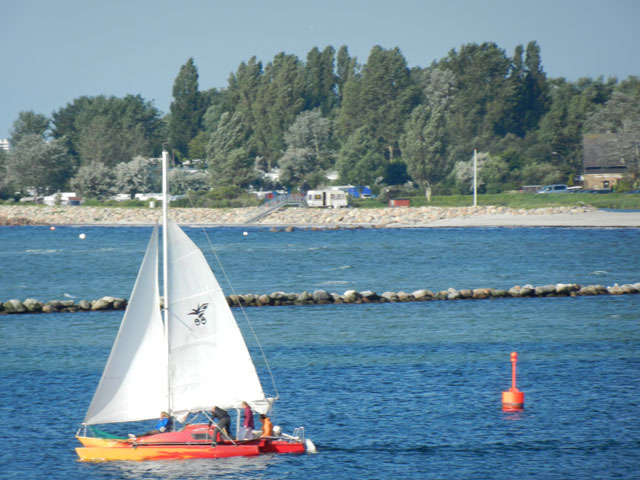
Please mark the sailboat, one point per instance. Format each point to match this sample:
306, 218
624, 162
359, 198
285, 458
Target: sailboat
183, 358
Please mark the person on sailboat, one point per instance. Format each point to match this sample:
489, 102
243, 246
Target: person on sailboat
267, 426
247, 425
224, 421
165, 424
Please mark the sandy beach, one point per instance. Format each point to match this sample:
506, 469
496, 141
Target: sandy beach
405, 217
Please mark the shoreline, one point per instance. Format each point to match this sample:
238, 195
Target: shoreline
399, 217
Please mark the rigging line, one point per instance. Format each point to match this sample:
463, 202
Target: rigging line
228, 282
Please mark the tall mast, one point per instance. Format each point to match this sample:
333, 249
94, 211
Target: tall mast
165, 268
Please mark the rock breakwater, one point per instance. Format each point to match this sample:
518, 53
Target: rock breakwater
323, 297
303, 217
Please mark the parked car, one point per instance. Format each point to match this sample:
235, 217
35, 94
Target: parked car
557, 188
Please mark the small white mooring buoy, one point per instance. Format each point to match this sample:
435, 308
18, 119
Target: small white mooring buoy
82, 236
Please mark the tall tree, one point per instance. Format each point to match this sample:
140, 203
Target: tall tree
320, 80
186, 109
230, 162
536, 90
242, 100
346, 69
280, 100
381, 98
360, 161
66, 125
424, 147
481, 76
28, 123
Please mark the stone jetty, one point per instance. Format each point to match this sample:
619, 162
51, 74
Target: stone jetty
295, 216
322, 297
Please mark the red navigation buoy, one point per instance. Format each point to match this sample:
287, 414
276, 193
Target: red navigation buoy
513, 399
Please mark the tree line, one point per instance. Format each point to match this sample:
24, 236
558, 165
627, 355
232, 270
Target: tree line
380, 123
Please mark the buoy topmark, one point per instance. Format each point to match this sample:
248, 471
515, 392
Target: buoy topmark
513, 399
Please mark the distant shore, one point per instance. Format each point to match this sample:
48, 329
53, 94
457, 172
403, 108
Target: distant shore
403, 217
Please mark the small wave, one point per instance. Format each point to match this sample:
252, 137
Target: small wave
343, 267
599, 272
41, 251
335, 282
68, 295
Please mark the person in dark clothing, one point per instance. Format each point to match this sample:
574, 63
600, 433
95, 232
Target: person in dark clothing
224, 421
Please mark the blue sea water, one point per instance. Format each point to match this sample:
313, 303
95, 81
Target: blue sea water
407, 391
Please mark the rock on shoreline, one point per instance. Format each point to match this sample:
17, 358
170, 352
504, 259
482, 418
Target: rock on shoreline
374, 217
322, 297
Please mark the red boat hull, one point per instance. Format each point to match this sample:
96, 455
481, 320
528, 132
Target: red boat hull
194, 441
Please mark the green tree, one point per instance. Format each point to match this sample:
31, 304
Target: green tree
360, 162
558, 141
186, 110
346, 69
243, 104
541, 174
110, 130
536, 89
320, 81
5, 187
94, 181
38, 165
381, 98
280, 100
28, 123
494, 176
66, 123
298, 168
306, 156
137, 176
230, 163
481, 75
182, 181
311, 131
424, 146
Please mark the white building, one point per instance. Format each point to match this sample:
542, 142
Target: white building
4, 144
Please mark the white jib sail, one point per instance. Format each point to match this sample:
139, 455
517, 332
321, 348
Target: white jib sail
134, 382
210, 363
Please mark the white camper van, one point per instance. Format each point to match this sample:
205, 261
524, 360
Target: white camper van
327, 198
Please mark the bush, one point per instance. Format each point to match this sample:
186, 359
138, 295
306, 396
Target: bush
222, 197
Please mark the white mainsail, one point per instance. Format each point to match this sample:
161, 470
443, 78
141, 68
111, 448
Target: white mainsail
200, 362
210, 364
134, 382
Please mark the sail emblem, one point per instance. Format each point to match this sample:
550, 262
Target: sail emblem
199, 313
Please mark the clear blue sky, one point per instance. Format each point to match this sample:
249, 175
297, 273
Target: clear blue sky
53, 51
